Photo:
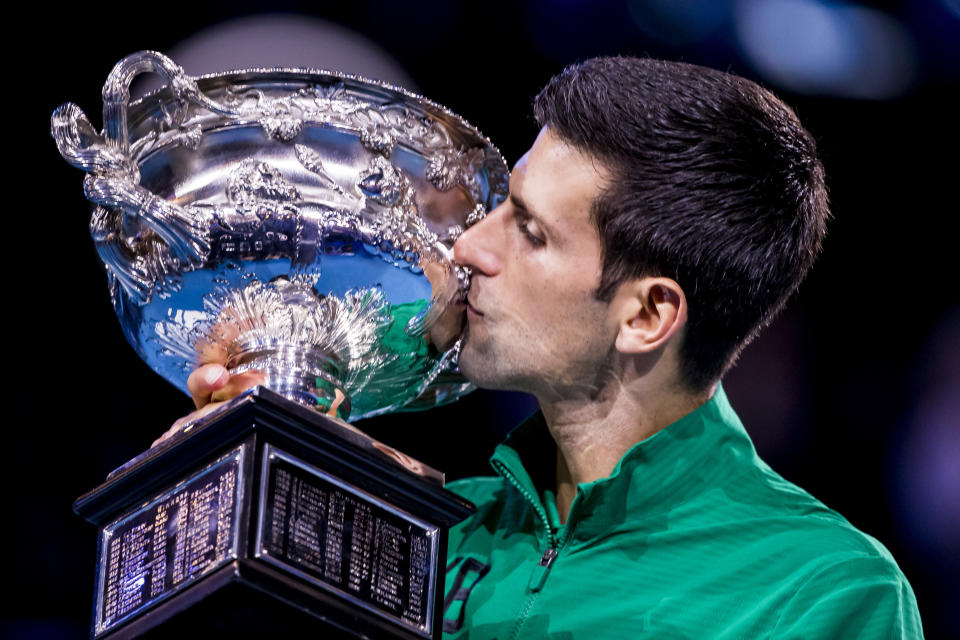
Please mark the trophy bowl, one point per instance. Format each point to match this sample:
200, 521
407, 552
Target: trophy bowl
299, 223
291, 221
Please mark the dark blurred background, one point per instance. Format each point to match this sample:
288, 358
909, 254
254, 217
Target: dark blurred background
853, 393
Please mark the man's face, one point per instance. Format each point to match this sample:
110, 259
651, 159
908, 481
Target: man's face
533, 323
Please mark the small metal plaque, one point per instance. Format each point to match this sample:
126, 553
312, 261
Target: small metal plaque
180, 535
347, 541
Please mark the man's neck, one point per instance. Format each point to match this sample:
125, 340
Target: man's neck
593, 434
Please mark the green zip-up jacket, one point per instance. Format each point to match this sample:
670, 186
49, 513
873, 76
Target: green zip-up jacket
691, 536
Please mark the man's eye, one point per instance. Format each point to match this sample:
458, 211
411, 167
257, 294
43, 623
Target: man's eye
532, 238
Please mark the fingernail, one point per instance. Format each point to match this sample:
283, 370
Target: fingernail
215, 376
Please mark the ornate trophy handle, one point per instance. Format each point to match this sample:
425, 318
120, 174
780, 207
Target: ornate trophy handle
116, 92
113, 179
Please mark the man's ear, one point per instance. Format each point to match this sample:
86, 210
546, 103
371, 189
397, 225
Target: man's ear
650, 311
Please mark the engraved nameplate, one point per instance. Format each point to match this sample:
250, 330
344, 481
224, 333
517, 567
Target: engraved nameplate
344, 540
180, 535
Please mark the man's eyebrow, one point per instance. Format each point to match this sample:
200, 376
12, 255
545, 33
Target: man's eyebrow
520, 204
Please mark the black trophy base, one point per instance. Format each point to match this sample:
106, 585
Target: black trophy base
268, 518
232, 603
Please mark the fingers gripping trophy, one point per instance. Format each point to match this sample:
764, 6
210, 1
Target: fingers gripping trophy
300, 224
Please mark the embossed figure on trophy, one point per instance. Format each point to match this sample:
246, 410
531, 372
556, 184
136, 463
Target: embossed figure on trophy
300, 226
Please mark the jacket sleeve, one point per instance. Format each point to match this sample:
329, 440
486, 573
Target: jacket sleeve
862, 597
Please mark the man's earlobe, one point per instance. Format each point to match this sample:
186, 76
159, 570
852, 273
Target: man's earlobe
651, 311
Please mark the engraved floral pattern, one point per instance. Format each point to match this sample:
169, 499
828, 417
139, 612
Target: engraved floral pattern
283, 201
254, 180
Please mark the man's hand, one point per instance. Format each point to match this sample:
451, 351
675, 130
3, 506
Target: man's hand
210, 386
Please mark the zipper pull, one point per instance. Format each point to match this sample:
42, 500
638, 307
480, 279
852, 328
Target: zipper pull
540, 572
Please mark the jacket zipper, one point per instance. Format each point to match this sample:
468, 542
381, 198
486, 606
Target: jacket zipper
550, 554
543, 568
536, 583
535, 503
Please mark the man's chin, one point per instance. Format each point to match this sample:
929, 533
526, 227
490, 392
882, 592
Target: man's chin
484, 373
472, 365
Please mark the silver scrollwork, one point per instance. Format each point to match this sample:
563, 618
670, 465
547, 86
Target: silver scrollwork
307, 216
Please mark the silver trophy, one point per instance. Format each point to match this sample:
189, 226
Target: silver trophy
299, 223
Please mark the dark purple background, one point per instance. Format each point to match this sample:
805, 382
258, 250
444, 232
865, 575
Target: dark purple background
852, 393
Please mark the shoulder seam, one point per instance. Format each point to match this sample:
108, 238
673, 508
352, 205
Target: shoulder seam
848, 556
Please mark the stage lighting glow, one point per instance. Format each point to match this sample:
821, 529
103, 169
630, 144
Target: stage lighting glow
813, 47
283, 40
953, 6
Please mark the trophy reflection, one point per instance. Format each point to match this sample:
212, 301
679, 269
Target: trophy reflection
300, 224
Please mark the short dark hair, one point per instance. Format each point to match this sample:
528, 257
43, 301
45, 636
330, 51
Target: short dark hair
715, 183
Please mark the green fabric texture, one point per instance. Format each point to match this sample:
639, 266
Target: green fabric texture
691, 536
396, 339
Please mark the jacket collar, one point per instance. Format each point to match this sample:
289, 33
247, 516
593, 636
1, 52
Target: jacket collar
701, 450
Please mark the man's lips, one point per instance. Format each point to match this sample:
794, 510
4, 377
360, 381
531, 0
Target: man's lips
472, 309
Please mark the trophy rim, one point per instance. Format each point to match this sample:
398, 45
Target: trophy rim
409, 97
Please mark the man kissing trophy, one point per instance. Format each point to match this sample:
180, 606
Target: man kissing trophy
298, 224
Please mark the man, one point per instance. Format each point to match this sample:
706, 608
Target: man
664, 214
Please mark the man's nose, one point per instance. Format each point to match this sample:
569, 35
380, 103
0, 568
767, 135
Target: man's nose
479, 246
